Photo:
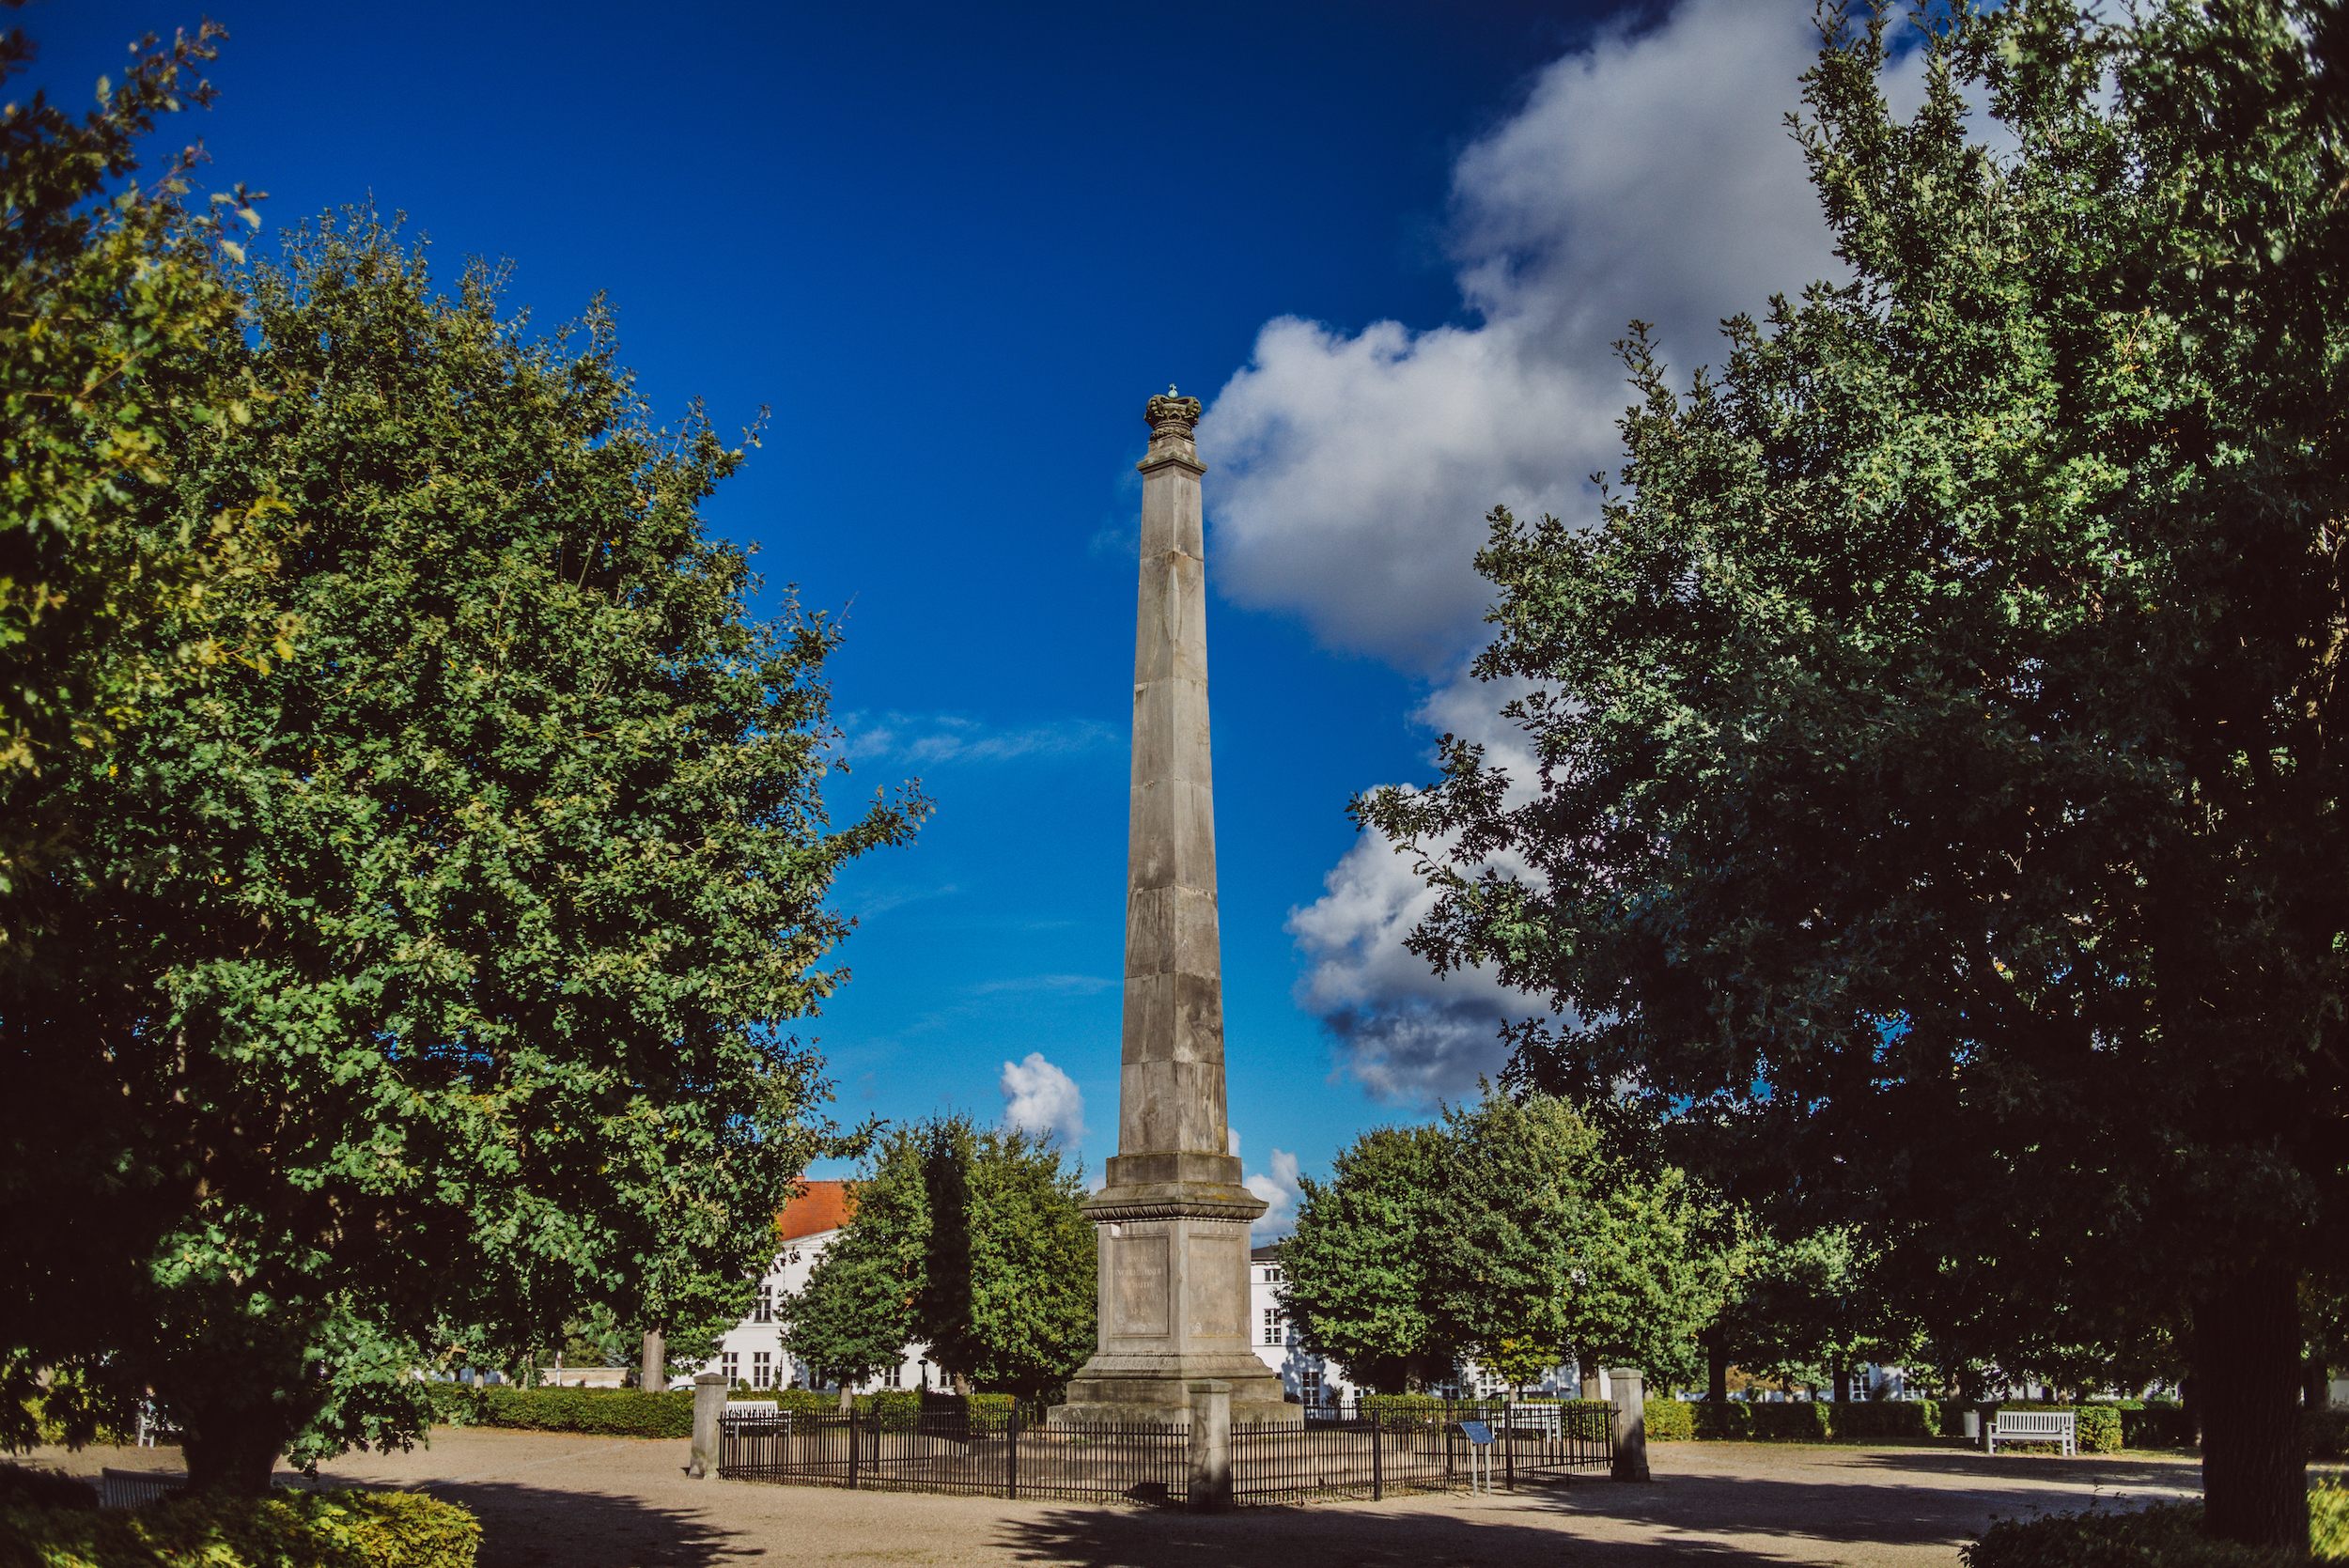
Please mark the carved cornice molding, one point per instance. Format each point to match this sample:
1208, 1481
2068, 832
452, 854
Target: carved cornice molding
1171, 1208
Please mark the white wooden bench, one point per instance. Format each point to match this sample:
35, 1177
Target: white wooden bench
2036, 1426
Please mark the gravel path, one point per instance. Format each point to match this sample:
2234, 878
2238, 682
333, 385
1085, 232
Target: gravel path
550, 1502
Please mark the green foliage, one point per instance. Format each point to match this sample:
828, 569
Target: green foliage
855, 1314
608, 1412
1557, 1245
971, 1241
2166, 1535
2329, 1520
1515, 1232
2156, 1423
2327, 1433
28, 1486
1937, 821
1792, 1420
1356, 1279
1018, 1315
1670, 1421
1723, 1419
111, 299
438, 991
1903, 1420
2099, 1428
1803, 1307
285, 1530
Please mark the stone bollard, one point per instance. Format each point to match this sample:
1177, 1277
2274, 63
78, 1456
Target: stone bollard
1630, 1424
709, 1404
1210, 1446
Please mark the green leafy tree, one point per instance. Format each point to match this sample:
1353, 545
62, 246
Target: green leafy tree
1033, 1282
970, 1241
1937, 810
112, 297
1355, 1272
854, 1316
1554, 1244
1806, 1309
444, 968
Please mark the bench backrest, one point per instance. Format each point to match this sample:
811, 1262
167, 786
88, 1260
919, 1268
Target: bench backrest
753, 1409
2035, 1422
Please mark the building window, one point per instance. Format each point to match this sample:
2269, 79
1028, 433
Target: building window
762, 1370
731, 1364
765, 1311
896, 1376
1273, 1330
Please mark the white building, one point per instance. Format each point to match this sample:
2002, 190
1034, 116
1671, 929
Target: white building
755, 1351
1311, 1380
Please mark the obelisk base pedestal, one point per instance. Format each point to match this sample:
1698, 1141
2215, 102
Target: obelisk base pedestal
1174, 1294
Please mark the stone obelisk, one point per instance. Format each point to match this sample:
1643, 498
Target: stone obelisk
1174, 1216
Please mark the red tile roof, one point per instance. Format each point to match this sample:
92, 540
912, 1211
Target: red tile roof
824, 1207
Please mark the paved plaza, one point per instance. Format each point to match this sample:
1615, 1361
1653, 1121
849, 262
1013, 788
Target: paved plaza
559, 1502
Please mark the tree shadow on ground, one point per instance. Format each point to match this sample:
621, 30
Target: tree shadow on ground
1849, 1511
1330, 1536
535, 1527
2180, 1474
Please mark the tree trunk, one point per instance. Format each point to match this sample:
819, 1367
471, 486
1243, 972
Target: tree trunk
847, 1396
2247, 1365
962, 1384
1589, 1370
652, 1371
1838, 1374
1716, 1370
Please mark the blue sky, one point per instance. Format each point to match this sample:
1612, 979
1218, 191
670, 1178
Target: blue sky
952, 248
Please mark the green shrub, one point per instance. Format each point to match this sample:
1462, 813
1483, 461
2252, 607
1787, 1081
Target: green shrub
2329, 1520
2167, 1535
2099, 1424
606, 1412
287, 1530
23, 1486
1670, 1421
1717, 1421
1887, 1419
1794, 1421
2154, 1424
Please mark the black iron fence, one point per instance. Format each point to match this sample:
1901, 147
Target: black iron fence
1010, 1456
1371, 1450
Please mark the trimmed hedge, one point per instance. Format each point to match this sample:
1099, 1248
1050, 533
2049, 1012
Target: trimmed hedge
606, 1412
24, 1486
287, 1530
1670, 1421
632, 1413
2154, 1424
1792, 1420
2328, 1433
2166, 1535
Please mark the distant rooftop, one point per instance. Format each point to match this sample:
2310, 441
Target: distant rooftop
1269, 1252
824, 1207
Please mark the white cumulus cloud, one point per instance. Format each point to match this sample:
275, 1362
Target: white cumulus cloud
1649, 175
1281, 1192
1038, 1097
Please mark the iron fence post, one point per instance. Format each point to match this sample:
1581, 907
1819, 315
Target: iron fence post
1011, 1453
855, 1445
1378, 1459
1509, 1443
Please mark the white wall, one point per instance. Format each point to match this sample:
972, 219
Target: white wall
751, 1339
